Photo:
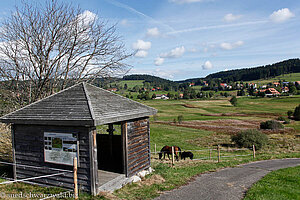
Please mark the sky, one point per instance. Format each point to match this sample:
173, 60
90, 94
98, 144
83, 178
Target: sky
181, 39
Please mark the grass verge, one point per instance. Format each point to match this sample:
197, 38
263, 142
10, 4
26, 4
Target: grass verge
280, 184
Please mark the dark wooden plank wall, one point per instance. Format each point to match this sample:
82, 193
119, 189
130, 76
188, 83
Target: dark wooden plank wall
138, 145
29, 150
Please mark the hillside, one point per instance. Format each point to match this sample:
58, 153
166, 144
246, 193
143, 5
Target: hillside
292, 77
262, 72
148, 78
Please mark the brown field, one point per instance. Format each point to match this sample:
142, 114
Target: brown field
226, 126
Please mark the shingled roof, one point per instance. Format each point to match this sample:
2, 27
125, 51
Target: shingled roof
81, 104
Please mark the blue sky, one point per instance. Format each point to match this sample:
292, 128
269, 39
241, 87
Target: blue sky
180, 39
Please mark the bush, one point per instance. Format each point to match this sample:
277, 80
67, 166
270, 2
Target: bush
233, 101
284, 119
290, 113
271, 124
179, 119
250, 137
296, 113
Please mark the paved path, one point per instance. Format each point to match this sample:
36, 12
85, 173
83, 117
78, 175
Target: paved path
229, 183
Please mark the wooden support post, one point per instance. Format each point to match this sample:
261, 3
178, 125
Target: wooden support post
75, 179
253, 147
219, 156
172, 155
125, 147
154, 149
13, 151
209, 154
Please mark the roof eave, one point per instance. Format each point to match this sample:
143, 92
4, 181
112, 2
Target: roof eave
124, 117
82, 122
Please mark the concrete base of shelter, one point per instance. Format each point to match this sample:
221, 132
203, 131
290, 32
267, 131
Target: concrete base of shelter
109, 181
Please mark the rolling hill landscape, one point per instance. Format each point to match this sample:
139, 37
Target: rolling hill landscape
140, 100
197, 115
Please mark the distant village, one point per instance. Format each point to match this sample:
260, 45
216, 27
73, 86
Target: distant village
206, 90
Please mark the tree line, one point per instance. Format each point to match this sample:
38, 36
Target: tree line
262, 72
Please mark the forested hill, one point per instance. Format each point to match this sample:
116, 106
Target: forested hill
148, 78
263, 72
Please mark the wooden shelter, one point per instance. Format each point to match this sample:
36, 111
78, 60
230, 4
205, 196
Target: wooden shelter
49, 133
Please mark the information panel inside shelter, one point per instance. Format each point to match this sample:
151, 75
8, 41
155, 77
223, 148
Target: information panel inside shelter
60, 148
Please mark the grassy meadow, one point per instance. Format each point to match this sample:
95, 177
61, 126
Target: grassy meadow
248, 108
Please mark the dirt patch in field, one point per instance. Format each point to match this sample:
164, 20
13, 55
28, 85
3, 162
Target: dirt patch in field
189, 106
155, 179
265, 115
226, 114
227, 126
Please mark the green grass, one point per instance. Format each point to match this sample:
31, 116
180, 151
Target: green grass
131, 83
170, 109
286, 77
162, 135
280, 184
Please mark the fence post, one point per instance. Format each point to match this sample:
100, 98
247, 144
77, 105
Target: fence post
219, 156
172, 155
253, 147
75, 178
154, 149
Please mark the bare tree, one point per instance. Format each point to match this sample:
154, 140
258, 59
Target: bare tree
46, 46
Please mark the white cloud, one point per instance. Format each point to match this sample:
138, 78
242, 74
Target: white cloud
281, 15
229, 46
174, 53
87, 17
168, 74
186, 1
141, 45
159, 61
153, 32
161, 73
231, 17
141, 54
207, 65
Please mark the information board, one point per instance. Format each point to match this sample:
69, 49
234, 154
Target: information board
60, 148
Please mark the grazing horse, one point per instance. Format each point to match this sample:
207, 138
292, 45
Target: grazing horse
168, 150
187, 154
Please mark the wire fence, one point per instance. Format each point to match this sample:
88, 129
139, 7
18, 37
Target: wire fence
60, 172
204, 154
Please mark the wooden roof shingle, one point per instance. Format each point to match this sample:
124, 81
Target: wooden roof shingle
83, 105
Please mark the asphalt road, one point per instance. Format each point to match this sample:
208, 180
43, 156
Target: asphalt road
228, 183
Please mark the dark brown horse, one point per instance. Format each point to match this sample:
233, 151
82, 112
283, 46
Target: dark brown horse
168, 150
